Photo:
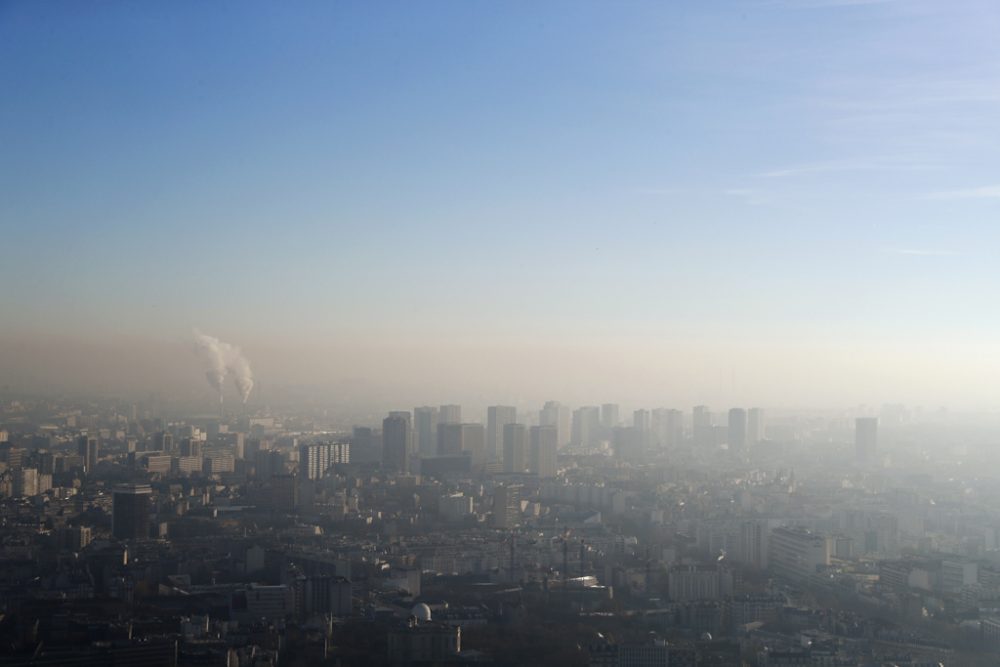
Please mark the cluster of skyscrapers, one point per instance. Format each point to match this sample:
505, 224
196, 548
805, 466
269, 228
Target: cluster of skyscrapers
438, 437
434, 438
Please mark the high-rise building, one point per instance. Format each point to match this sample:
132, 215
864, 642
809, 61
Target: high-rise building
87, 448
497, 416
866, 438
447, 414
549, 414
643, 425
751, 544
555, 414
544, 441
78, 537
217, 460
668, 427
450, 414
190, 447
675, 428
396, 442
455, 439
755, 426
269, 462
316, 459
408, 416
627, 443
163, 442
455, 506
366, 445
285, 492
186, 465
659, 426
130, 511
25, 482
586, 426
157, 463
609, 416
425, 423
474, 442
702, 427
238, 442
687, 583
325, 594
515, 448
507, 506
449, 439
12, 455
796, 553
737, 430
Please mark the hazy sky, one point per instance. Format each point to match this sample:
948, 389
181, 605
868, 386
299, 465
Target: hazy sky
758, 201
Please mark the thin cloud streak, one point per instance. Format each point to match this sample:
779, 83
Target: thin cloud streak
658, 191
984, 192
921, 252
870, 164
751, 196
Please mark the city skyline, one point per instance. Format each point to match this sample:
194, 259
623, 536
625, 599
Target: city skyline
515, 334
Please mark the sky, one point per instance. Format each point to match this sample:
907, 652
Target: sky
753, 202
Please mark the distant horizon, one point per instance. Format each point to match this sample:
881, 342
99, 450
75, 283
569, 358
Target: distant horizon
170, 368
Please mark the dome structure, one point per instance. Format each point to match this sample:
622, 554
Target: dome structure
421, 612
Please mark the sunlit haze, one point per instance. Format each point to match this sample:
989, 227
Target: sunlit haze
505, 333
789, 203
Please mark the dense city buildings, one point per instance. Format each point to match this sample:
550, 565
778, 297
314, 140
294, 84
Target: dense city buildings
796, 553
536, 334
636, 541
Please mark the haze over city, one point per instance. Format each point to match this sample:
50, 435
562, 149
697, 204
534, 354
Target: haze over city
518, 334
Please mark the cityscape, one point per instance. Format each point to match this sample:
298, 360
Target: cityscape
510, 535
432, 333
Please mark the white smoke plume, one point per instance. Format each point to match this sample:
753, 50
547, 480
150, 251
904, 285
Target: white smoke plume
223, 359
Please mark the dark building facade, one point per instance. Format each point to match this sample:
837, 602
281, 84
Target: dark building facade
130, 511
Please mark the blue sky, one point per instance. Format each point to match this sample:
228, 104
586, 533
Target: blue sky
801, 171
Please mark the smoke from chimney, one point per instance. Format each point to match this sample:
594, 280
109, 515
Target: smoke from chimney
224, 359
